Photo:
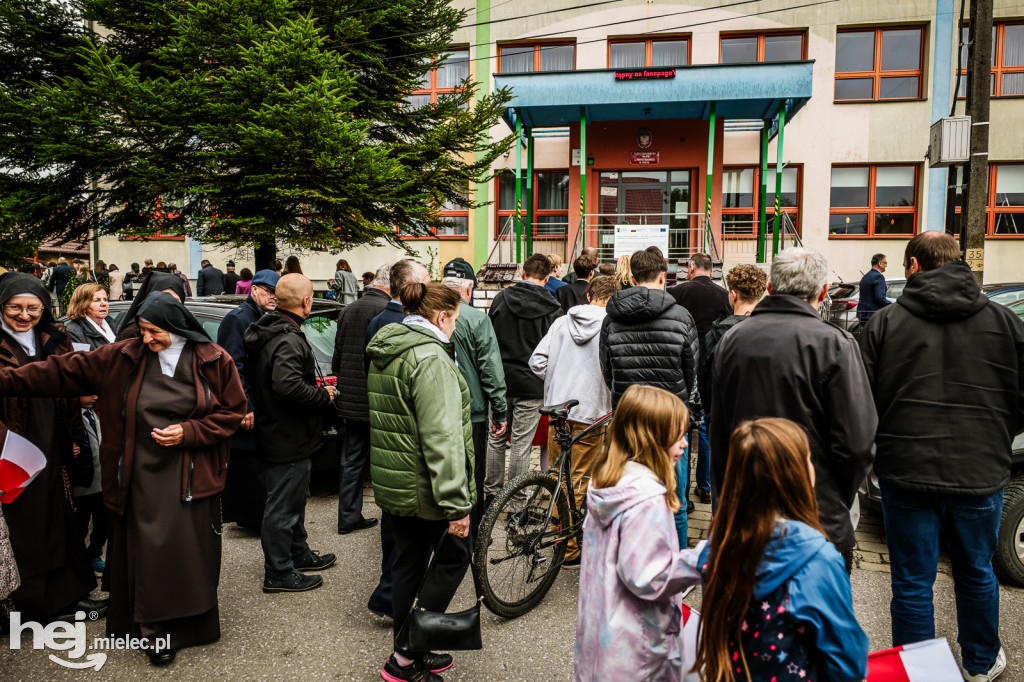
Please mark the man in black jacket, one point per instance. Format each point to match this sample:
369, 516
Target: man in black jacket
569, 295
282, 377
785, 361
244, 497
349, 365
231, 278
59, 279
647, 339
707, 303
521, 315
209, 281
946, 366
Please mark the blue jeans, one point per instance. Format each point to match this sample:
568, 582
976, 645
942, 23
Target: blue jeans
913, 521
703, 459
682, 485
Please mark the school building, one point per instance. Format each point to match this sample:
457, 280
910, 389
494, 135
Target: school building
731, 127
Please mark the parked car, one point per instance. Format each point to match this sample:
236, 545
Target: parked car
1004, 293
844, 297
320, 329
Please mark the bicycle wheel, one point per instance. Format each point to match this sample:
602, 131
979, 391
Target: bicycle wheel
517, 555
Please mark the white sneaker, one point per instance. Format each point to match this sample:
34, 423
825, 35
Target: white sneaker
995, 671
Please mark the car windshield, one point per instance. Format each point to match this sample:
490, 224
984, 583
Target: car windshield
842, 291
320, 330
1008, 297
1018, 308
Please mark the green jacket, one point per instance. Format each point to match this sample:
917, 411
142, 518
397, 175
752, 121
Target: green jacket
480, 363
421, 438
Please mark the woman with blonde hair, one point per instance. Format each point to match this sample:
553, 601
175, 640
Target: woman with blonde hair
770, 574
88, 312
623, 272
632, 570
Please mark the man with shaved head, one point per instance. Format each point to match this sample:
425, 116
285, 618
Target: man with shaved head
288, 406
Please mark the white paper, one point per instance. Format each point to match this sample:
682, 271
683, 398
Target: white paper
79, 346
930, 660
630, 238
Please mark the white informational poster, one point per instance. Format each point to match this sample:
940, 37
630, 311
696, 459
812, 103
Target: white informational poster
630, 238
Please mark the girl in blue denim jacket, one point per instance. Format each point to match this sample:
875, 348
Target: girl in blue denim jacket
777, 605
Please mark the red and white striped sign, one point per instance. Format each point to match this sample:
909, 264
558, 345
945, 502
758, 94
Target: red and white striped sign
929, 661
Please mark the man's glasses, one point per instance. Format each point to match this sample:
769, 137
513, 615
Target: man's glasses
31, 311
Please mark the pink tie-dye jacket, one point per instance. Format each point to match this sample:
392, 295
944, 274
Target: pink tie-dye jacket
631, 575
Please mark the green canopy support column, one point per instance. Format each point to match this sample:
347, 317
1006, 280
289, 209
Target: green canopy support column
706, 235
583, 176
529, 191
779, 165
519, 189
482, 214
762, 197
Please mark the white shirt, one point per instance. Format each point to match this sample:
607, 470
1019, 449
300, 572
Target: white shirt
103, 328
27, 340
169, 356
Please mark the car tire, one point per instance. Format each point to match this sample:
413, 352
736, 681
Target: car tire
1007, 562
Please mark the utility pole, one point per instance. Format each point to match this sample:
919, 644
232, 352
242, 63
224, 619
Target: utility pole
974, 218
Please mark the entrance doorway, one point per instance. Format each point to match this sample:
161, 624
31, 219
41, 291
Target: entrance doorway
647, 198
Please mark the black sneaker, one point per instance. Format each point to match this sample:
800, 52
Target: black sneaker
314, 561
437, 663
572, 563
296, 582
414, 672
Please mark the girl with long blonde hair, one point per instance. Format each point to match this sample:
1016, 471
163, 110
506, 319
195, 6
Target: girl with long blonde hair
632, 570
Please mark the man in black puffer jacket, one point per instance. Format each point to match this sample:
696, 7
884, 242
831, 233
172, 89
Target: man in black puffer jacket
349, 365
646, 338
946, 367
282, 378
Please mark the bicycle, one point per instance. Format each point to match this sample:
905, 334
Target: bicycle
521, 544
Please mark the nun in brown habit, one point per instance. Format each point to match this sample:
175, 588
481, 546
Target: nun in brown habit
56, 577
176, 400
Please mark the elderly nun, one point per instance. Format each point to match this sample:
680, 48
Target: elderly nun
163, 466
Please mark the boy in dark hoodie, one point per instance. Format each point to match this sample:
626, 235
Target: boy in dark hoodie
521, 315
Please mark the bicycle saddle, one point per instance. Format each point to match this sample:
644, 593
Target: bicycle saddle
559, 411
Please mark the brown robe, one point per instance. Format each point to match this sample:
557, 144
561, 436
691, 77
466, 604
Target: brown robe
164, 557
45, 538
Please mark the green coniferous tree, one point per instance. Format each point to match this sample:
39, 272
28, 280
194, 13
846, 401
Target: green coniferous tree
249, 122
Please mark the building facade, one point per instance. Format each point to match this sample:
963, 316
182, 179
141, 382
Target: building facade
650, 114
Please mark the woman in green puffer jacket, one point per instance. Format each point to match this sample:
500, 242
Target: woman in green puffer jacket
421, 460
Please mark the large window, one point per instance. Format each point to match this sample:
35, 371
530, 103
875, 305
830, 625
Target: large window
879, 64
740, 188
550, 199
761, 47
873, 201
443, 78
450, 212
537, 57
1007, 60
632, 53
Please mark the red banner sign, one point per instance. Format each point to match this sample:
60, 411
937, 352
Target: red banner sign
644, 158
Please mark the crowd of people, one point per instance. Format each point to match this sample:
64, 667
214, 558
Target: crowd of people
439, 401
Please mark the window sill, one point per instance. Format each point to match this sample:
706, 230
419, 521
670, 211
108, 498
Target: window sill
870, 236
879, 101
432, 237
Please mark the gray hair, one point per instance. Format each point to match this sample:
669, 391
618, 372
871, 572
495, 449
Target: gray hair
457, 283
382, 278
799, 272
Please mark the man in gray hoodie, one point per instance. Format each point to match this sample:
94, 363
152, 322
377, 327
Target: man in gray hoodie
568, 360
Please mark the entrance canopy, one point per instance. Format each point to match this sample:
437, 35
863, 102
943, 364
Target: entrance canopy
740, 91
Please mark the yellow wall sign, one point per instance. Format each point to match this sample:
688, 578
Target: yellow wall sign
976, 259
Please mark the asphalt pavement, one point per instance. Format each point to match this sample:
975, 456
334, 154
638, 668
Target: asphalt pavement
327, 634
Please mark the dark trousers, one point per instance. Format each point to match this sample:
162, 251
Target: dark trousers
380, 600
355, 451
244, 495
90, 508
415, 540
480, 433
913, 522
284, 519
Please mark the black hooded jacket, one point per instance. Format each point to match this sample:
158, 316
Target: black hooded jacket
282, 378
521, 315
647, 339
946, 367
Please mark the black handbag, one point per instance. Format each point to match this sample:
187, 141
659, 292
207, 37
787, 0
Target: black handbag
431, 631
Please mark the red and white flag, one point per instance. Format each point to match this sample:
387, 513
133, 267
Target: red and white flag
928, 661
20, 463
691, 619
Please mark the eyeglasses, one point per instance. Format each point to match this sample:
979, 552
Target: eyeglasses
31, 311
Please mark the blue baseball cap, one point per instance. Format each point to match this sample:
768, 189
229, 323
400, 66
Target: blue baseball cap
266, 278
